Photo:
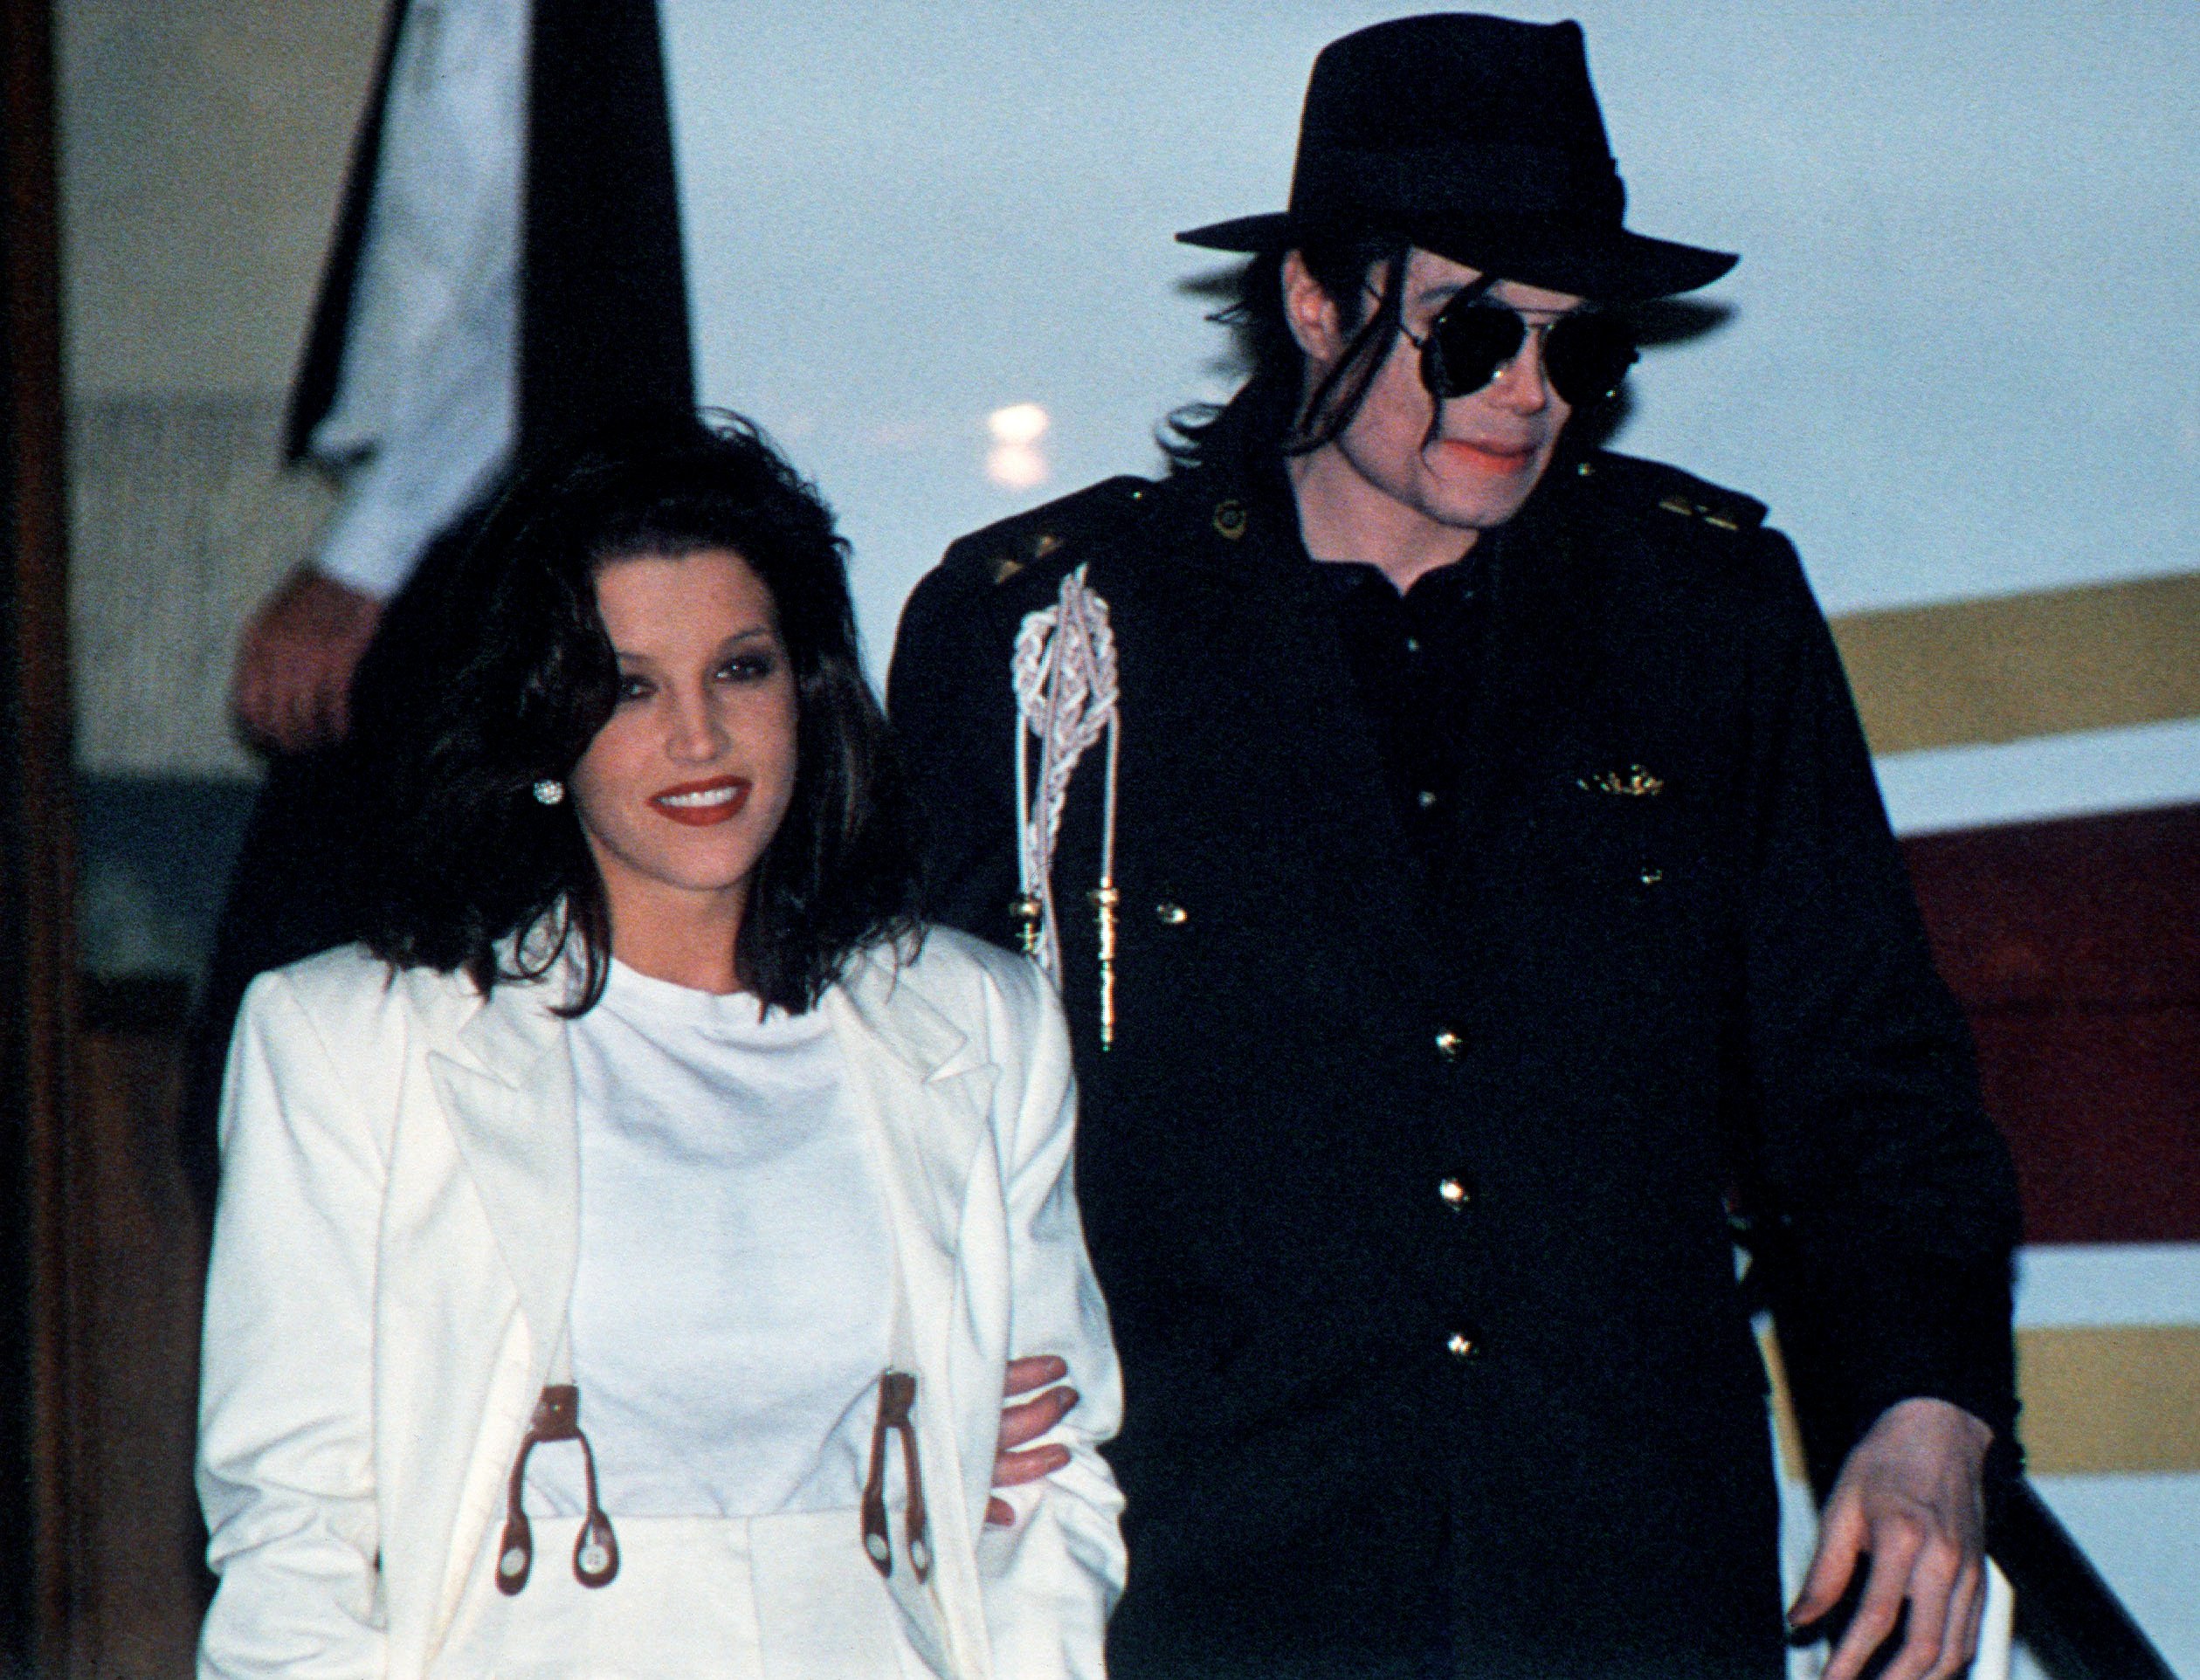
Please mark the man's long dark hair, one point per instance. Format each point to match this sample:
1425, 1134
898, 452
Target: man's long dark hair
1273, 414
472, 859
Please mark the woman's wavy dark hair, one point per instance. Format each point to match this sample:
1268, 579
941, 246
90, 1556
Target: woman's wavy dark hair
472, 860
1272, 413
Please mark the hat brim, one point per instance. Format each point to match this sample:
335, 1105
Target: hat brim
1605, 266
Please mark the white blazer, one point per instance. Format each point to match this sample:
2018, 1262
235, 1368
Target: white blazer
394, 1255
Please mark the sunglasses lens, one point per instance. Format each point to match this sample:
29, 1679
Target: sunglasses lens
1587, 356
1466, 346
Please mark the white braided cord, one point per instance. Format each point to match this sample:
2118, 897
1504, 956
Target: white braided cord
1064, 673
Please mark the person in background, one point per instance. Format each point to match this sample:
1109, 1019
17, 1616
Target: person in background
618, 1253
1466, 877
506, 273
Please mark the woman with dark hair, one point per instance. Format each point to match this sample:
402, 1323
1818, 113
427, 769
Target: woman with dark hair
619, 1254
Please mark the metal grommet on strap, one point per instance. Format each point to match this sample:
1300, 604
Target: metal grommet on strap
596, 1547
516, 1554
557, 1417
897, 1401
595, 1551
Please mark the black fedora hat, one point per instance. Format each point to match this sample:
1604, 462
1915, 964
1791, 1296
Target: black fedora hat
1477, 138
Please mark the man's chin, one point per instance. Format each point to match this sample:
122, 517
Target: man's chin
1478, 507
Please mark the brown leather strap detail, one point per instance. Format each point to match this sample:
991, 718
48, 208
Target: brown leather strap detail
557, 1417
897, 1404
596, 1547
876, 1546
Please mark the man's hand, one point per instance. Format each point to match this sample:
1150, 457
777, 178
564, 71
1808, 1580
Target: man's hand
1025, 1423
1910, 1495
291, 688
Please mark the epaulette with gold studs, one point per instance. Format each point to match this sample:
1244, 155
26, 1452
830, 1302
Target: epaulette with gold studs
1671, 491
1051, 536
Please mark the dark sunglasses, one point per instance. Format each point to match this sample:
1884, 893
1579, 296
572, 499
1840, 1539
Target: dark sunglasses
1585, 355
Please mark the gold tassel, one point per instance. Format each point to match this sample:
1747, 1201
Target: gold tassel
1030, 915
1105, 898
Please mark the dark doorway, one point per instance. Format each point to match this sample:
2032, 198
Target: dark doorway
37, 942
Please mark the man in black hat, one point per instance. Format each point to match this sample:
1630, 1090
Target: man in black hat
1467, 880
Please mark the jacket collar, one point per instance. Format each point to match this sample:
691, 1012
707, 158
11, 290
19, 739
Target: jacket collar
505, 1082
913, 1072
883, 993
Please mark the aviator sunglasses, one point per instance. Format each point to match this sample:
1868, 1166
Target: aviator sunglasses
1585, 354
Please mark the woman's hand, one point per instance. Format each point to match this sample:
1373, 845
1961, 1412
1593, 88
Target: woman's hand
1014, 1462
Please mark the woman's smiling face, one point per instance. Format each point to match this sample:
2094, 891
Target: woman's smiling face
685, 786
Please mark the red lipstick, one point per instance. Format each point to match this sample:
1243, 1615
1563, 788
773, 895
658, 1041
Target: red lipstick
699, 804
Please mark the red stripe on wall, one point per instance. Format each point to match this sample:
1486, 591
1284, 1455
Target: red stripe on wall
2074, 947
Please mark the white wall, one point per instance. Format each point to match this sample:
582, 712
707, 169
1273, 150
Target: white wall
1965, 355
203, 144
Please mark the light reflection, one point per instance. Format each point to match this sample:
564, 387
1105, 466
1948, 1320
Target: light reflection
1019, 423
1016, 461
1015, 467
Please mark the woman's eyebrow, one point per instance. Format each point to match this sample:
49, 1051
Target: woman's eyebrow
753, 633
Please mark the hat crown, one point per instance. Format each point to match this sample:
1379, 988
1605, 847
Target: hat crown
1455, 114
1454, 78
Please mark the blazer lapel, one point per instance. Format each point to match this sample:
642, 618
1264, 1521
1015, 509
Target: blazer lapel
916, 1075
508, 1095
925, 1092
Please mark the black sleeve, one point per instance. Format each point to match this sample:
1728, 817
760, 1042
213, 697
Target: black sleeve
949, 698
1893, 1202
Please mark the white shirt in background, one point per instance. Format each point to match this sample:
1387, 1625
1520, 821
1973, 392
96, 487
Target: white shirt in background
426, 406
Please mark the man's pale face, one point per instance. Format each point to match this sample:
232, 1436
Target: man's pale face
1471, 470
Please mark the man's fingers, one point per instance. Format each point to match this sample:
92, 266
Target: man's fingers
301, 708
1876, 1612
295, 660
333, 716
1933, 1576
252, 690
1840, 1538
1012, 1469
1960, 1643
1033, 1371
1023, 1424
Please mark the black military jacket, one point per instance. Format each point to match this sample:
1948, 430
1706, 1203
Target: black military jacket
1410, 1194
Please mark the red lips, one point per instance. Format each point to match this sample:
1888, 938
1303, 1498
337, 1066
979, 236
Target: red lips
700, 804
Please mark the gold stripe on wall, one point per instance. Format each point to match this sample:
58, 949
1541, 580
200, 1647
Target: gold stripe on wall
2097, 1402
1971, 671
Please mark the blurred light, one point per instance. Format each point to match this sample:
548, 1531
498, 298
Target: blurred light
1015, 467
1019, 423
